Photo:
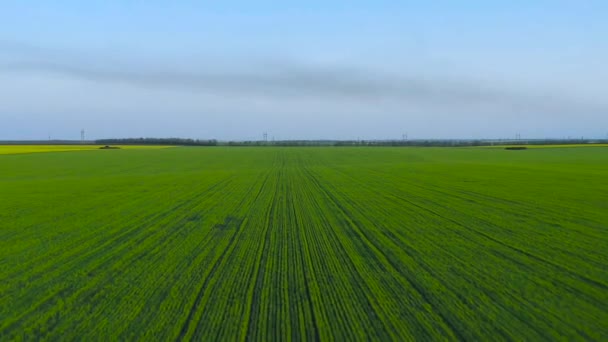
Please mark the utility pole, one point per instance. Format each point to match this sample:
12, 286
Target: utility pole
518, 138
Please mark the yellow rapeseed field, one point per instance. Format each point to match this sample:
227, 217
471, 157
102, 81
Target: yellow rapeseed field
19, 149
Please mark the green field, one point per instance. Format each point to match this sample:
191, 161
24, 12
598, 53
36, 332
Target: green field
305, 244
546, 146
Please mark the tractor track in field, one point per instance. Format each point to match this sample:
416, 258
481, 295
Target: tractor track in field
590, 300
94, 255
201, 292
220, 260
487, 236
523, 320
377, 249
128, 234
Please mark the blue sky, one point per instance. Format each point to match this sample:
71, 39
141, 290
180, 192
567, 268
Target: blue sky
314, 69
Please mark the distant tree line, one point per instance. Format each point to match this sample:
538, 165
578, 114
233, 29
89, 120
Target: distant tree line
158, 141
417, 142
411, 142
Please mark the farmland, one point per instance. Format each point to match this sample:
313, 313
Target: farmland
548, 146
336, 243
20, 149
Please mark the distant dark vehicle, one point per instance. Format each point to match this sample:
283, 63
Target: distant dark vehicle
516, 148
107, 147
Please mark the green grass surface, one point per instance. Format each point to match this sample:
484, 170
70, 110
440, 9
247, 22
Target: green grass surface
305, 243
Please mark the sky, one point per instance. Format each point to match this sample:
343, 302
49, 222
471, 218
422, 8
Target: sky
231, 70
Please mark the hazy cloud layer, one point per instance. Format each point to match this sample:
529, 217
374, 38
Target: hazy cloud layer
284, 92
323, 83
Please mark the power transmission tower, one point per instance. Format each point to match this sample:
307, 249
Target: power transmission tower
82, 136
265, 137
